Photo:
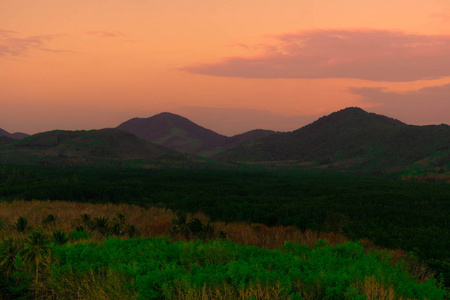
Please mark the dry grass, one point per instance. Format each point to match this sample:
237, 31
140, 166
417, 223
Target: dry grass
152, 222
375, 290
149, 222
68, 215
223, 292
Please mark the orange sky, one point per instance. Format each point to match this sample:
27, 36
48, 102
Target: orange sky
228, 65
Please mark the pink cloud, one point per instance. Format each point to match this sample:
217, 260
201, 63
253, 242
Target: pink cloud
429, 105
376, 55
16, 46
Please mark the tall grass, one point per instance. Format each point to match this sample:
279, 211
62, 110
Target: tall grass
148, 222
99, 279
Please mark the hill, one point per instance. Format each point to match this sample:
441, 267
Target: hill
16, 135
83, 147
178, 133
351, 138
4, 140
247, 136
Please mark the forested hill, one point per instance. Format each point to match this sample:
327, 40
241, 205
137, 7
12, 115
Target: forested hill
353, 137
83, 147
4, 140
181, 134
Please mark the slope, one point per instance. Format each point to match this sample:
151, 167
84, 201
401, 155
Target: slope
83, 147
178, 133
352, 137
175, 132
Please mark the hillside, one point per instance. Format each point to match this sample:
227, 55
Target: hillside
4, 140
178, 133
247, 136
83, 147
16, 135
353, 137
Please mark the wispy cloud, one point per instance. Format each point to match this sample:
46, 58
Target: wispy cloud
12, 45
376, 55
429, 105
104, 34
442, 16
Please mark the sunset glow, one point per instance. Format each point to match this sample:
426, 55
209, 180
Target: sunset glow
227, 65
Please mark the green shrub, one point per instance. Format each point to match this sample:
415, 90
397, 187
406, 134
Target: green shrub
157, 268
77, 235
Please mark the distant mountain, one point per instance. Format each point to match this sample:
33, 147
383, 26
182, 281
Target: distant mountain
178, 133
19, 135
16, 135
247, 136
352, 137
83, 147
4, 132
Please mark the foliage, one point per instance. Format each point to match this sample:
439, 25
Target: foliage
48, 220
36, 252
93, 266
157, 268
21, 225
60, 237
8, 253
77, 235
192, 229
101, 224
412, 216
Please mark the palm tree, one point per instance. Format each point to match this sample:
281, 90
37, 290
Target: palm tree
120, 218
101, 223
36, 250
8, 254
87, 222
21, 225
180, 226
60, 237
49, 220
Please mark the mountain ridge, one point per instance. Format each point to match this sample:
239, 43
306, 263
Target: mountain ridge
181, 134
15, 135
351, 138
84, 147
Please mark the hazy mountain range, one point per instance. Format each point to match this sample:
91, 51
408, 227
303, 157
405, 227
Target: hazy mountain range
16, 135
178, 133
347, 139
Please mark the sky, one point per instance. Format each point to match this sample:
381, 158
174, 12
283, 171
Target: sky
227, 65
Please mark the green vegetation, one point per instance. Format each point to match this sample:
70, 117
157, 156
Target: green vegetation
105, 147
157, 268
144, 268
354, 140
201, 259
392, 213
